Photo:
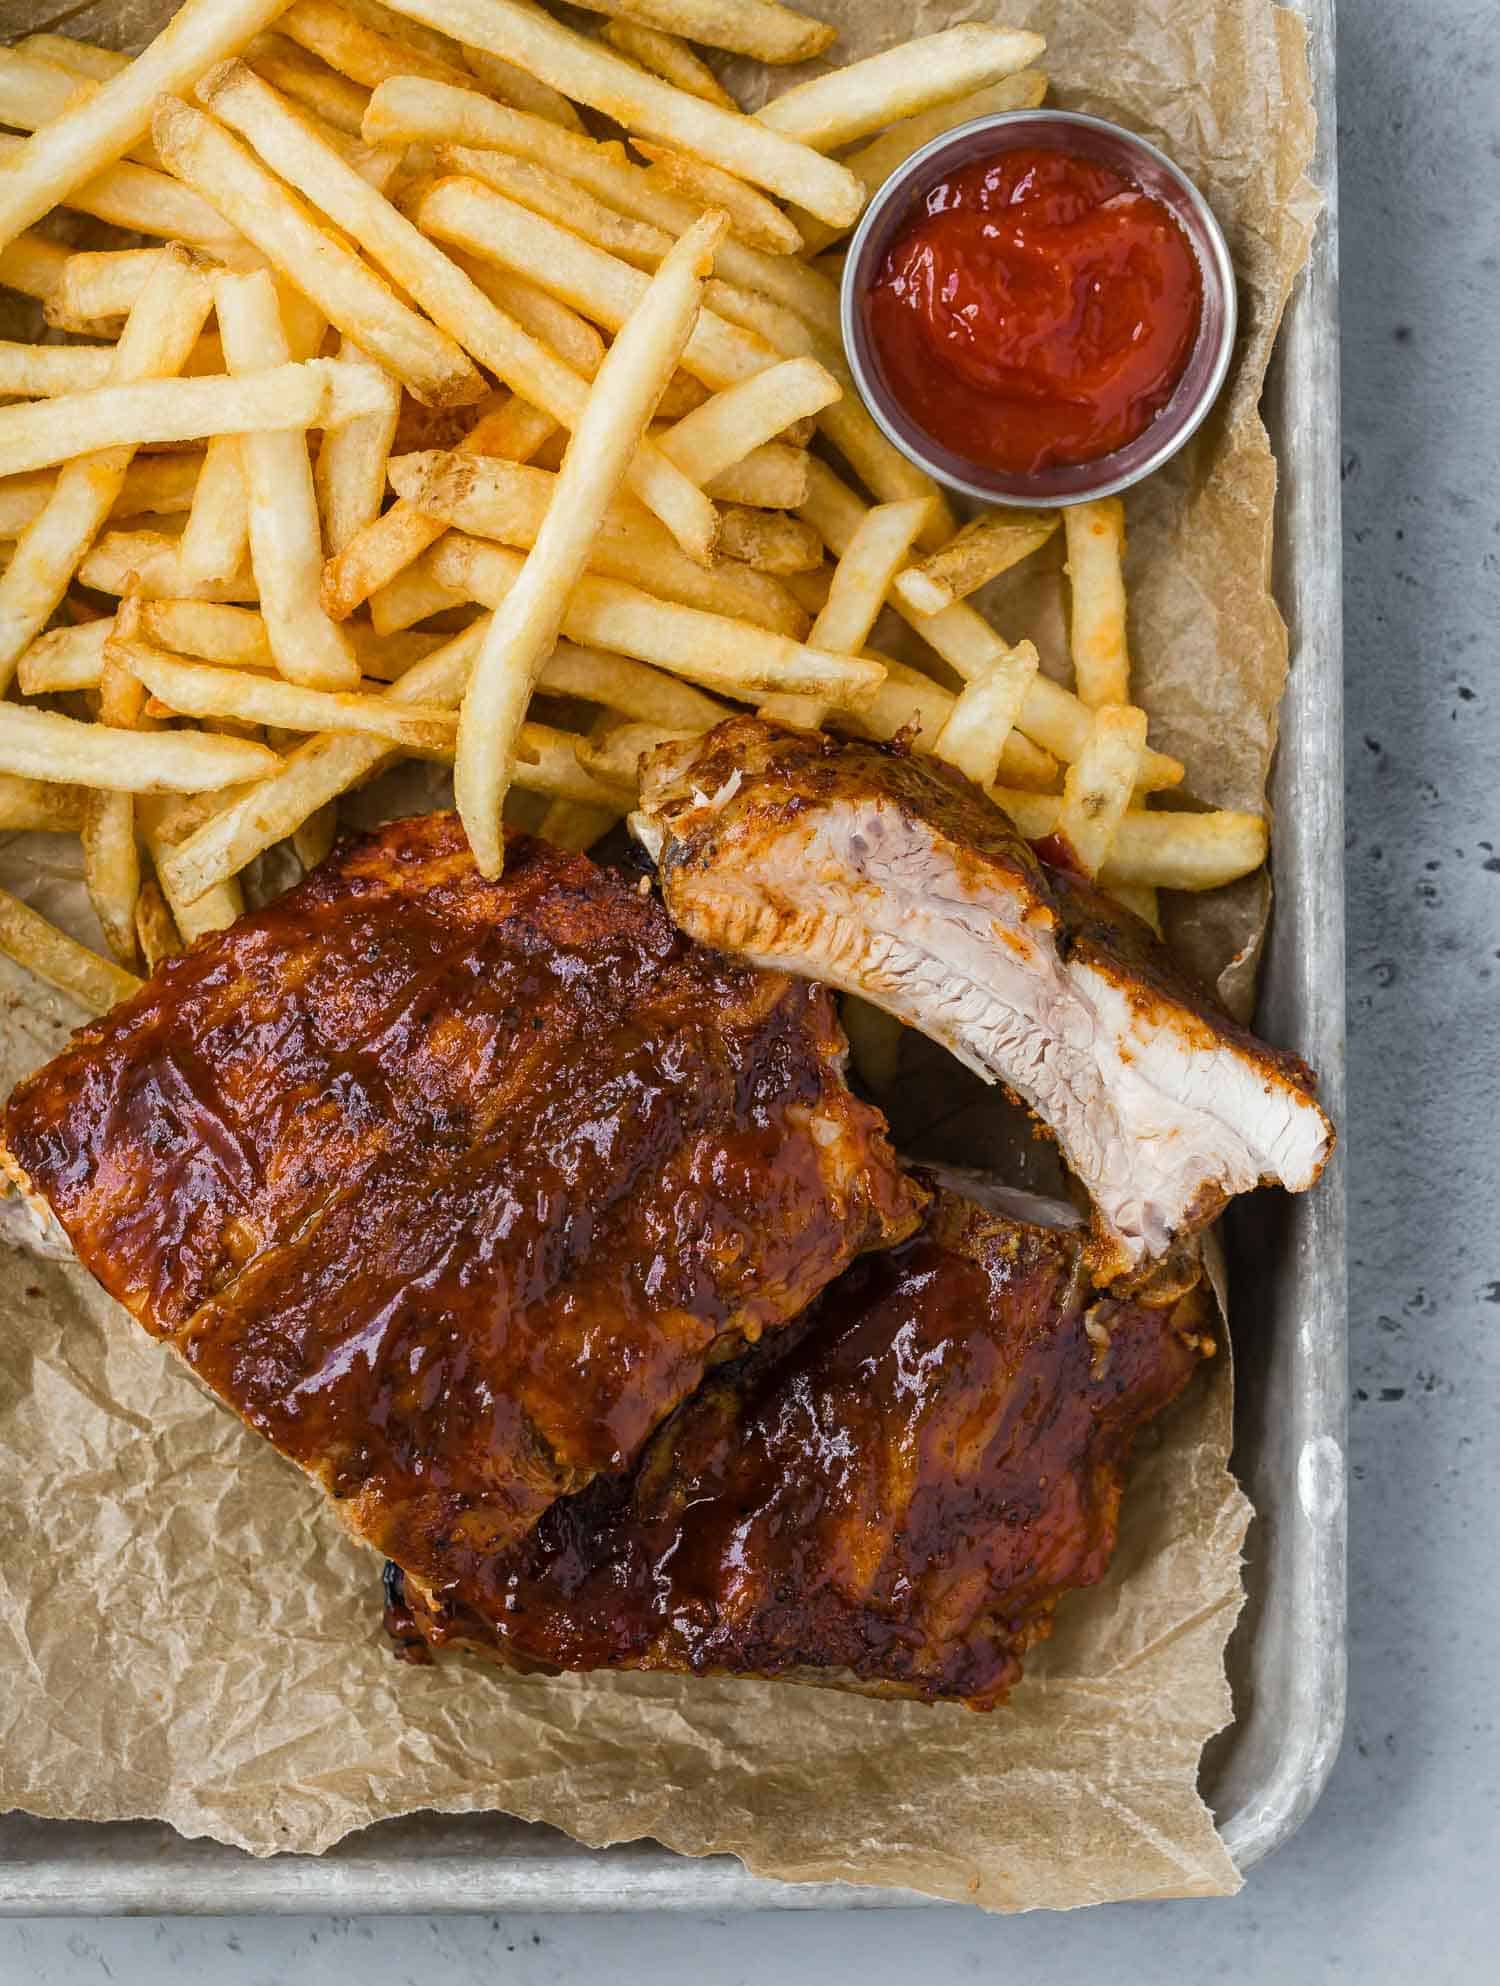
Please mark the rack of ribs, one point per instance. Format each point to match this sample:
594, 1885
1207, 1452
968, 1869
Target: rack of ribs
890, 1496
454, 1189
890, 876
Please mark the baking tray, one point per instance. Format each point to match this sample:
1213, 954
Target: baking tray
1262, 1776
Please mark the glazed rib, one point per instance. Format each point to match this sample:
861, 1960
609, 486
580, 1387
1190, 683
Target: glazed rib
888, 875
454, 1189
891, 1496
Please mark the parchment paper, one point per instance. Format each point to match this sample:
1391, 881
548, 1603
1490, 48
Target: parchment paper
186, 1635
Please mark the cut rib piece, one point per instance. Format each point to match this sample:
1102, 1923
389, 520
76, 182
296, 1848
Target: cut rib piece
453, 1189
890, 876
891, 1496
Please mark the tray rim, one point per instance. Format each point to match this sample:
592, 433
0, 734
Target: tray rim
139, 1867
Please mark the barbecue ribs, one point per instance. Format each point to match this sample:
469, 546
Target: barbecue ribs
453, 1189
891, 876
891, 1496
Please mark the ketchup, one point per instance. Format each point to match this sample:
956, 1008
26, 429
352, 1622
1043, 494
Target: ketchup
1039, 311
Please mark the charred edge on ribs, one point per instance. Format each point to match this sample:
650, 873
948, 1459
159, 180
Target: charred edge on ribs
890, 876
890, 1496
453, 1189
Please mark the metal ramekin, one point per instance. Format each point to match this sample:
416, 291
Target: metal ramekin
894, 204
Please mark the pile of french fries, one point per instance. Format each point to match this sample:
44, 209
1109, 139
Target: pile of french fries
239, 579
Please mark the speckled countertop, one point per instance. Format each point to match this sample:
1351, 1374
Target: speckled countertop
1394, 1875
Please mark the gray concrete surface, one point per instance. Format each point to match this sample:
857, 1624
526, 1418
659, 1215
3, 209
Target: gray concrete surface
1393, 1878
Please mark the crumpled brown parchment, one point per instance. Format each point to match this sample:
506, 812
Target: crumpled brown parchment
185, 1633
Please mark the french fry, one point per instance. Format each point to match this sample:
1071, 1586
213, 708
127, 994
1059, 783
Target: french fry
415, 594
668, 56
442, 289
629, 689
163, 484
874, 163
408, 33
283, 515
28, 938
134, 197
718, 654
769, 478
755, 219
731, 424
39, 806
527, 624
111, 859
215, 540
615, 754
38, 372
596, 76
156, 934
768, 540
34, 91
80, 58
332, 97
810, 589
349, 477
71, 658
208, 689
542, 191
551, 323
761, 28
344, 288
163, 822
318, 393
982, 718
592, 280
54, 162
1096, 635
41, 744
153, 561
393, 541
907, 701
1051, 716
1098, 787
158, 336
33, 265
518, 91
550, 764
574, 824
980, 552
1140, 900
1156, 849
355, 49
849, 103
501, 500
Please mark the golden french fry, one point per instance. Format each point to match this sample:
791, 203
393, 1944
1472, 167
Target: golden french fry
215, 540
551, 323
761, 28
907, 701
160, 332
41, 744
594, 75
768, 478
33, 265
156, 934
984, 715
163, 484
810, 589
574, 824
719, 654
50, 165
80, 58
39, 806
542, 191
312, 841
527, 624
874, 553
69, 658
865, 96
1098, 787
1140, 899
630, 689
493, 499
753, 217
111, 859
283, 515
415, 594
163, 822
34, 91
350, 474
355, 49
152, 560
733, 423
668, 56
209, 689
390, 543
518, 91
980, 552
319, 393
1157, 850
442, 289
134, 197
344, 288
614, 755
38, 372
1051, 716
332, 97
1096, 548
768, 541
28, 938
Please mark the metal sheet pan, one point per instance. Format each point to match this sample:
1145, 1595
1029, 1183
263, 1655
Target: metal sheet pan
1263, 1775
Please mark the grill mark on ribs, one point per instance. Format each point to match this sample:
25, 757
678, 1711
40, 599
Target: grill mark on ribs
890, 876
453, 1189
